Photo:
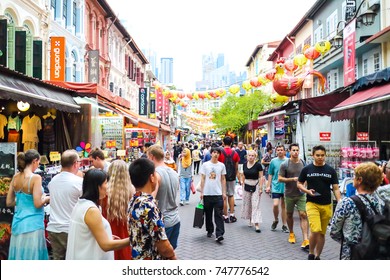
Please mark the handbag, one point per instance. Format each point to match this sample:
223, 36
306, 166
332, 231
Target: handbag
250, 188
193, 190
199, 215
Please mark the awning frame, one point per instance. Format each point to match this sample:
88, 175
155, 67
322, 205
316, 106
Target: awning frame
282, 112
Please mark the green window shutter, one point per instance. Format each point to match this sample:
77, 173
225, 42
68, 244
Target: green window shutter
20, 51
29, 55
3, 42
11, 46
37, 59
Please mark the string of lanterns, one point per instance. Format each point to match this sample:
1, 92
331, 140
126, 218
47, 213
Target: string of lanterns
284, 80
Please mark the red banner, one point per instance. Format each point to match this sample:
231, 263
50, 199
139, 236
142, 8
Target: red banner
325, 136
349, 35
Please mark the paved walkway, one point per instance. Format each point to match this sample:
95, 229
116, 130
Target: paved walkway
242, 242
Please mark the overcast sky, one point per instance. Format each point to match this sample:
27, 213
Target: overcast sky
185, 30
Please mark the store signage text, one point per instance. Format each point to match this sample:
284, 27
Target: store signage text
143, 103
57, 59
325, 136
362, 136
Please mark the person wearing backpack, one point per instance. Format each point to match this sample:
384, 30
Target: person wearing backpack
230, 158
349, 227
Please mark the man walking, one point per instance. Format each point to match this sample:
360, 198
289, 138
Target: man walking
166, 193
213, 193
319, 178
242, 153
230, 158
293, 197
277, 190
65, 189
147, 235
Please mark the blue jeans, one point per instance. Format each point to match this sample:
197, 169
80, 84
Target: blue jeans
185, 189
173, 234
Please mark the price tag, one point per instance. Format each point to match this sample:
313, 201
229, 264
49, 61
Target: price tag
55, 156
121, 153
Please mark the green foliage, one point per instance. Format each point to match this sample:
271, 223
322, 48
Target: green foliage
238, 111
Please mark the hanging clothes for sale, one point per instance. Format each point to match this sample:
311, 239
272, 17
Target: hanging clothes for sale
48, 134
31, 124
3, 123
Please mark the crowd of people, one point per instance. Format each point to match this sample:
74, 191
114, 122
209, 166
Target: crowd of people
121, 211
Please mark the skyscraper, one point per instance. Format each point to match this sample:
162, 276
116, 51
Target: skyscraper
166, 70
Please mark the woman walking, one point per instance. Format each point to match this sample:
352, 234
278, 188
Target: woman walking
185, 176
253, 172
114, 205
26, 194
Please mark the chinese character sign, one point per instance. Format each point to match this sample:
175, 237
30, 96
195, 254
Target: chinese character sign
93, 66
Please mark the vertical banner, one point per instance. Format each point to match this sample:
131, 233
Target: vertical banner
93, 66
143, 102
57, 58
152, 112
349, 35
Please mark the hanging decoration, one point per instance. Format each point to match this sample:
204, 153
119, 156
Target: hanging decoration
233, 89
285, 80
277, 98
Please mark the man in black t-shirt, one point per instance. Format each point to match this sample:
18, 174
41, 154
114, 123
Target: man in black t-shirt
319, 177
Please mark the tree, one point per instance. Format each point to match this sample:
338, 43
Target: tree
237, 111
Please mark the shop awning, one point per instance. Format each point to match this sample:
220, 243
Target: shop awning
132, 116
91, 90
377, 78
373, 101
165, 127
321, 105
148, 123
269, 116
19, 87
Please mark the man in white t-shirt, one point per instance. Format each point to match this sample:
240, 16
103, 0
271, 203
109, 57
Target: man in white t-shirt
65, 190
213, 193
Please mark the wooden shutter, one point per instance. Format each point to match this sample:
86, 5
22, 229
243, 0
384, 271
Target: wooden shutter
3, 42
29, 55
11, 46
37, 59
20, 51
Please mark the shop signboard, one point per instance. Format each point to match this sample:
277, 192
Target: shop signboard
8, 154
350, 9
57, 59
325, 136
362, 136
143, 102
349, 35
93, 66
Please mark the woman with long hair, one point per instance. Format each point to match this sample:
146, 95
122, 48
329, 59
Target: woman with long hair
253, 172
90, 236
26, 194
114, 205
185, 176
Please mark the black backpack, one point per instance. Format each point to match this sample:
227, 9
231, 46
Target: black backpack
375, 243
230, 166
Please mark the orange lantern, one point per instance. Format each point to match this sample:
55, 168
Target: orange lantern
189, 96
255, 82
270, 75
311, 53
289, 65
181, 94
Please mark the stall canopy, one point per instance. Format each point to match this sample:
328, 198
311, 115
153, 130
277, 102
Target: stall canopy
19, 87
91, 90
321, 105
133, 117
372, 101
